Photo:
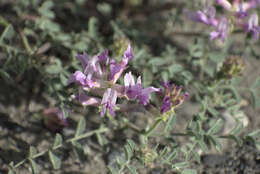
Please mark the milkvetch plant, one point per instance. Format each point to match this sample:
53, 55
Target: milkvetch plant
126, 110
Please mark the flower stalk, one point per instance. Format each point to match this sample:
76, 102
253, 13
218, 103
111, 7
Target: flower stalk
85, 135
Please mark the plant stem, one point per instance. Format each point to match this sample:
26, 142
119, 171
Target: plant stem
88, 134
26, 43
154, 126
133, 127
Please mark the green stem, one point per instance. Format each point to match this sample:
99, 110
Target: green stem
180, 134
88, 134
26, 44
101, 130
133, 127
154, 126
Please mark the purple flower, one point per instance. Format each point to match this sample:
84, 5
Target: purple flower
173, 97
144, 95
103, 57
166, 104
86, 100
252, 4
240, 8
207, 16
93, 68
252, 26
128, 55
82, 80
78, 77
108, 102
222, 30
92, 72
241, 13
116, 70
225, 4
132, 89
84, 58
136, 91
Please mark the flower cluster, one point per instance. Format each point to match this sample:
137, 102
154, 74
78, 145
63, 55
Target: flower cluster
98, 82
223, 25
173, 97
232, 67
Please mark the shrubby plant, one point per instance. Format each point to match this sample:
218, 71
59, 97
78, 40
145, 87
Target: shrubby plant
125, 77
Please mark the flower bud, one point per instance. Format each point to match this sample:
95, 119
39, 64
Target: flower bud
54, 119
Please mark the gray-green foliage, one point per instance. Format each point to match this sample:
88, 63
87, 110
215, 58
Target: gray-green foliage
45, 45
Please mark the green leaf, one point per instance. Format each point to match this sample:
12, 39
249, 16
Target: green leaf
128, 152
213, 111
102, 140
92, 27
6, 76
236, 139
45, 11
57, 141
180, 165
203, 146
196, 156
170, 124
121, 161
255, 98
47, 25
147, 77
11, 171
229, 102
7, 34
187, 76
81, 46
34, 165
131, 144
170, 157
3, 21
217, 57
164, 152
256, 84
104, 8
32, 152
79, 151
81, 126
175, 68
255, 134
237, 129
196, 50
234, 91
112, 170
55, 68
63, 79
216, 127
65, 111
132, 169
189, 171
215, 142
156, 62
165, 75
55, 160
